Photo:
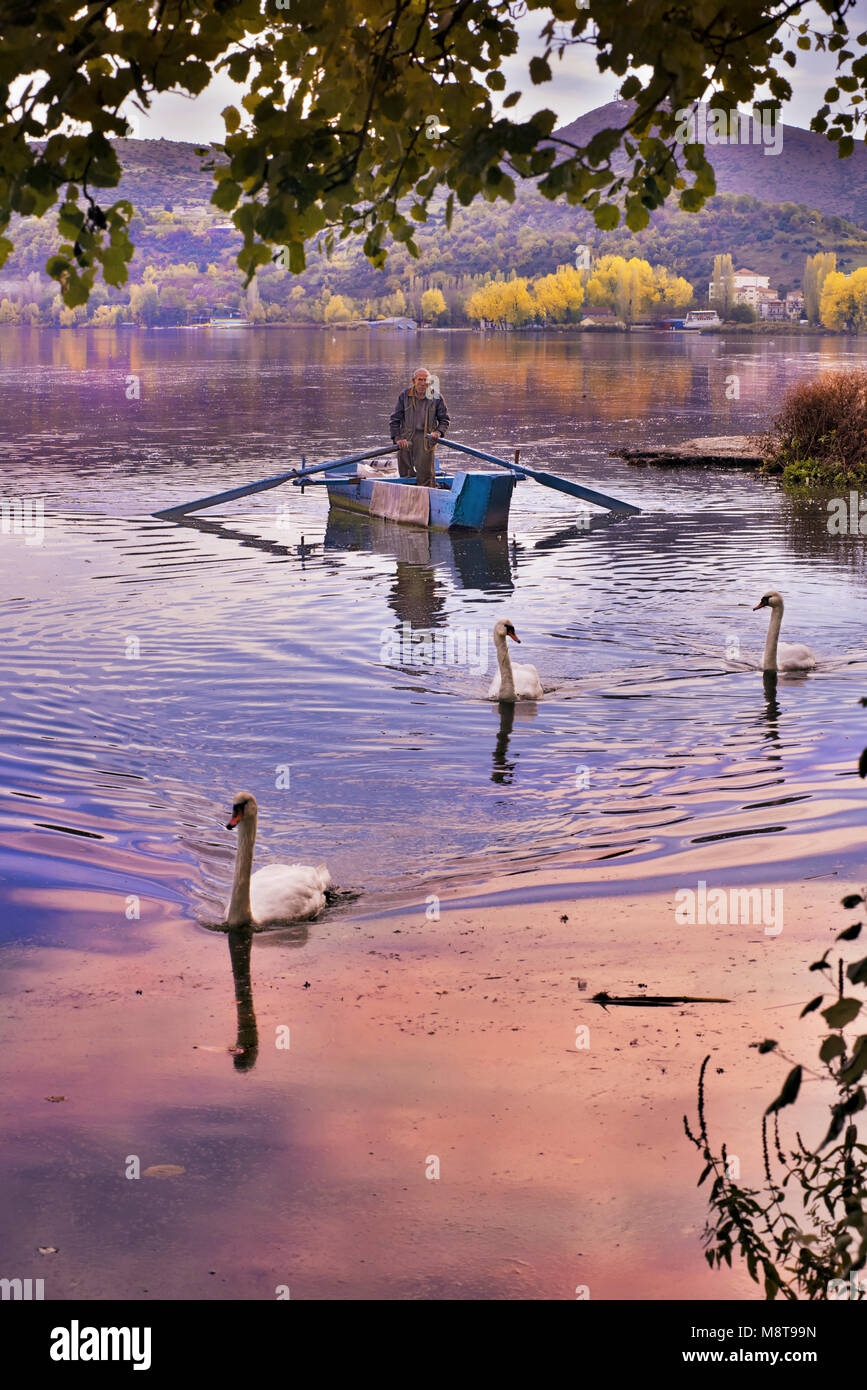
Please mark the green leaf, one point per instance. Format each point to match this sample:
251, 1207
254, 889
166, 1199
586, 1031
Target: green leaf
540, 71
691, 200
789, 1093
607, 216
851, 900
767, 1046
841, 1013
226, 195
297, 259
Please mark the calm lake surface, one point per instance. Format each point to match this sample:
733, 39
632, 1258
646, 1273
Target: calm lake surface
150, 670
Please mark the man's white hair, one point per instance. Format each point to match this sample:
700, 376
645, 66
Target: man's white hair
433, 384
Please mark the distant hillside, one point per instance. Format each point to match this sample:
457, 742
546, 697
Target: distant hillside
186, 248
807, 166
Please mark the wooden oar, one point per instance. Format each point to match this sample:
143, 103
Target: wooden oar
172, 513
587, 494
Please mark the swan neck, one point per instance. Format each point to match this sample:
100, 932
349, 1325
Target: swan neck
504, 661
239, 904
769, 660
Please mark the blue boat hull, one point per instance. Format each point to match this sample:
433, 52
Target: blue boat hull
462, 501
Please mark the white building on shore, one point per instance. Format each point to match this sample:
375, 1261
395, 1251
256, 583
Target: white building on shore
749, 287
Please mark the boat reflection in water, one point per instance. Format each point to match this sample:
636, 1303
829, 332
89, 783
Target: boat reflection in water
474, 559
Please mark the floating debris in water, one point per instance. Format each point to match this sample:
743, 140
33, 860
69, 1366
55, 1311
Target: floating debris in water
654, 1001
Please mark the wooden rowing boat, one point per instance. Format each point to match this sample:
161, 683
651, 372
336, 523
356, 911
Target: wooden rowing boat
459, 502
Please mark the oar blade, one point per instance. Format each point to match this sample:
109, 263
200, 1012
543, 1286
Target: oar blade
263, 484
587, 494
174, 513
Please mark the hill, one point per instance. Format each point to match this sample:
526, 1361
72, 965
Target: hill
185, 247
806, 164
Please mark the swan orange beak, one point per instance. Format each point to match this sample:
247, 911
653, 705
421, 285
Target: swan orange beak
230, 825
515, 638
761, 604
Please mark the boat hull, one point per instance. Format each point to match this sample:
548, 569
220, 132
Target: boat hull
461, 502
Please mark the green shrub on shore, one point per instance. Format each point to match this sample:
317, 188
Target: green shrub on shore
819, 435
809, 474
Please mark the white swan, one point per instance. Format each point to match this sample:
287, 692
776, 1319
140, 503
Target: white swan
277, 893
782, 656
512, 682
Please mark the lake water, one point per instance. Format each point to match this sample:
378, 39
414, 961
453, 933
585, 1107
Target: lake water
150, 669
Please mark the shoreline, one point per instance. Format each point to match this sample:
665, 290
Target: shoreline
415, 1045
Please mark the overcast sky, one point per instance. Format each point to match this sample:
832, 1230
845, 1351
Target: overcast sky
577, 87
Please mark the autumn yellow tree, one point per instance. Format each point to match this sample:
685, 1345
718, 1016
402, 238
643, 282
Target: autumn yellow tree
107, 316
843, 304
144, 302
397, 304
629, 287
433, 304
722, 292
338, 309
505, 303
619, 284
559, 295
816, 270
670, 289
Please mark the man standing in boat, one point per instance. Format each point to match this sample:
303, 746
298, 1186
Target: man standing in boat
418, 420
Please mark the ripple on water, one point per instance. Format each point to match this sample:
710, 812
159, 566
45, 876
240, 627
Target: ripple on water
150, 670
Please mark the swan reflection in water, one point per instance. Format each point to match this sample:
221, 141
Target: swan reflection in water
772, 704
504, 770
246, 1048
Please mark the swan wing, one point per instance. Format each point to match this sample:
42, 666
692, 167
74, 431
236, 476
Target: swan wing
288, 892
527, 683
494, 687
794, 656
